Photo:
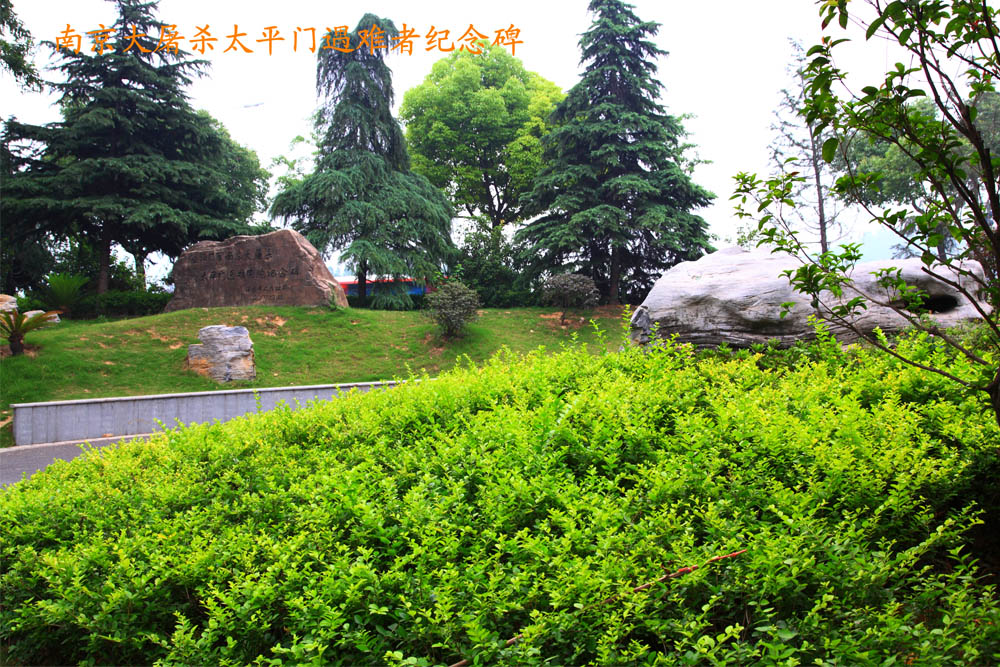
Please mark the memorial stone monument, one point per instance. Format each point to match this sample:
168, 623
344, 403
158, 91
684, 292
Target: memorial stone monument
277, 269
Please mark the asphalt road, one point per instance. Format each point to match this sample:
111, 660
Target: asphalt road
25, 460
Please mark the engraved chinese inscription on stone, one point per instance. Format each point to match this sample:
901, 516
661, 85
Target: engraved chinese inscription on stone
279, 269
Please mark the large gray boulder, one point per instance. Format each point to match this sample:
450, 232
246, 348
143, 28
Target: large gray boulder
277, 269
225, 354
734, 296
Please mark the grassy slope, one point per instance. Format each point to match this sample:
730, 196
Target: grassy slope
293, 346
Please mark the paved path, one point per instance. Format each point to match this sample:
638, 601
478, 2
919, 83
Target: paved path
20, 460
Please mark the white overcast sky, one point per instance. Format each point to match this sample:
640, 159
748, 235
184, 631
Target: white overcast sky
726, 65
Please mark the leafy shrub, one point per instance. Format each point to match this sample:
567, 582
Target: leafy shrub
569, 290
14, 326
452, 305
114, 303
63, 292
486, 264
434, 521
29, 302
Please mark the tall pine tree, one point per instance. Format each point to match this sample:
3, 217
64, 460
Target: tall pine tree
362, 197
615, 196
131, 163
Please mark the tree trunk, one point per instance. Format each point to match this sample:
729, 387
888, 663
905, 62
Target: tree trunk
104, 260
362, 284
616, 274
824, 242
16, 344
140, 267
942, 247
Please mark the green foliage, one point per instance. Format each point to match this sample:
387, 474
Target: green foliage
393, 296
120, 303
26, 303
246, 182
14, 326
486, 264
79, 257
432, 522
474, 128
879, 173
615, 194
416, 302
16, 45
362, 198
452, 305
130, 163
569, 290
925, 122
64, 291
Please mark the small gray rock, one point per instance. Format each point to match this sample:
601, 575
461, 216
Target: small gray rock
225, 354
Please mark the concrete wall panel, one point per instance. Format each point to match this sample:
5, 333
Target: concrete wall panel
61, 421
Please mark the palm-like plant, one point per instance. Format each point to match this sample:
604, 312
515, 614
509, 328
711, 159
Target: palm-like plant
14, 325
64, 291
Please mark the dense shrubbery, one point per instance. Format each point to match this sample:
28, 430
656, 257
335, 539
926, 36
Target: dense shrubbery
114, 303
569, 290
29, 302
452, 305
434, 521
486, 264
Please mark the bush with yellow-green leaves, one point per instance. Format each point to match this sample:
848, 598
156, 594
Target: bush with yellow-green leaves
436, 521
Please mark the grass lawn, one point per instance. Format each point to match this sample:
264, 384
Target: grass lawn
293, 346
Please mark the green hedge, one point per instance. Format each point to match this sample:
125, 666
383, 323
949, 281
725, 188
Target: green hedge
115, 303
417, 302
434, 521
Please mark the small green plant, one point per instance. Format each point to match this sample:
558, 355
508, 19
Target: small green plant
569, 290
64, 291
332, 303
13, 327
453, 305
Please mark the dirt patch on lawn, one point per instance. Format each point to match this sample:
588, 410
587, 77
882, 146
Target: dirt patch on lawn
271, 320
434, 351
29, 350
608, 312
576, 321
172, 343
572, 321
